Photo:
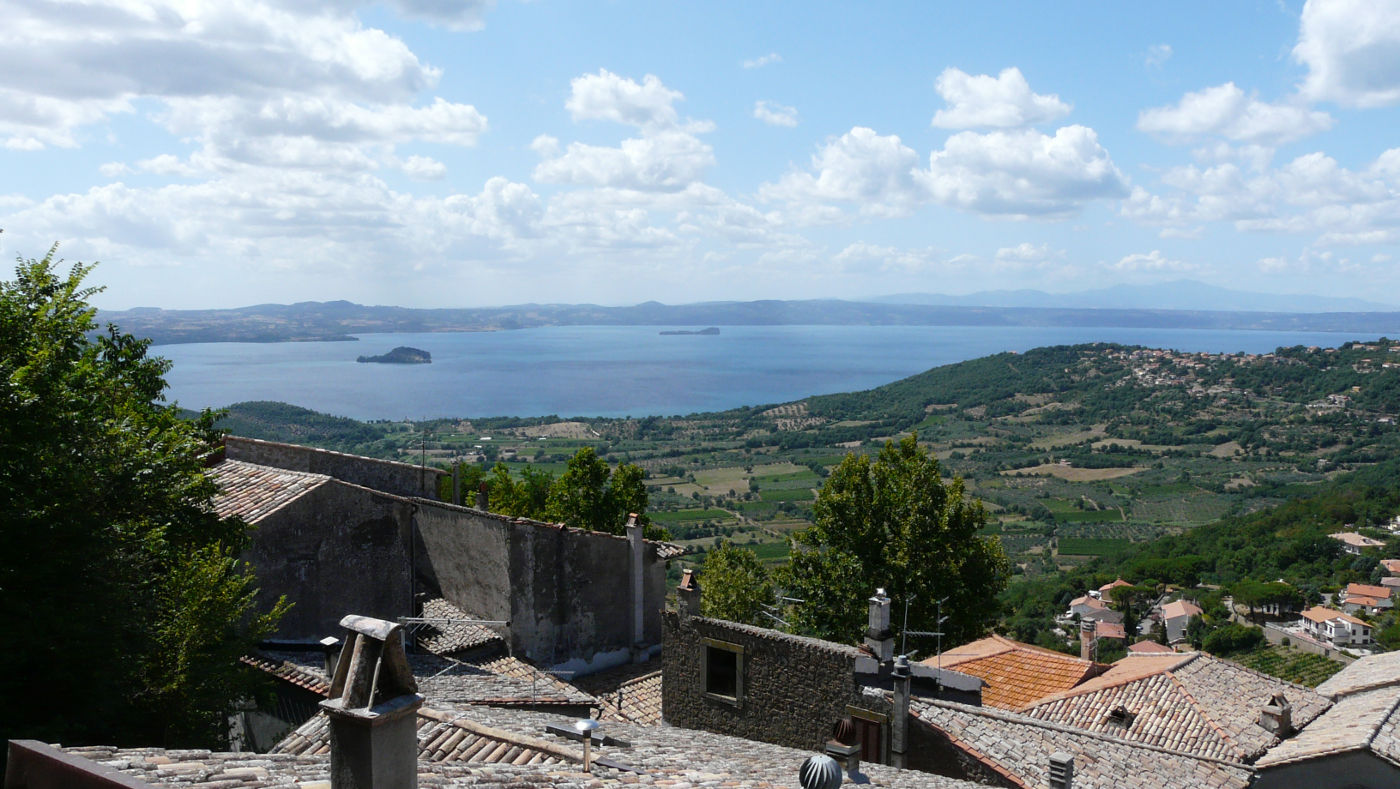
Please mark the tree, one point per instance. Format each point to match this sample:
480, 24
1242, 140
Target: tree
120, 588
735, 585
894, 523
589, 496
527, 498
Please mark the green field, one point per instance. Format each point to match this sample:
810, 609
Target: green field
1304, 668
1090, 546
680, 516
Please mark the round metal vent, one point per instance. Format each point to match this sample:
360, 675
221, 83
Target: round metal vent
819, 772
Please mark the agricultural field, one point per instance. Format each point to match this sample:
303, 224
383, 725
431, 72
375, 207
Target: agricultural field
1287, 663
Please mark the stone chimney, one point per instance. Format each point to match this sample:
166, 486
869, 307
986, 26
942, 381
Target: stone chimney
372, 709
1277, 716
1061, 770
331, 646
638, 566
483, 501
1088, 638
878, 636
899, 715
844, 748
688, 595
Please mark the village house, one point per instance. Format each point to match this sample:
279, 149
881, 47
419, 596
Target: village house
1365, 597
1175, 617
1335, 627
1015, 674
1354, 543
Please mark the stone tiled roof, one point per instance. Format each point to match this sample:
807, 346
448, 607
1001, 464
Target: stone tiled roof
1016, 674
289, 671
667, 550
1190, 702
1365, 720
654, 756
443, 737
1018, 748
631, 693
253, 492
1373, 671
446, 638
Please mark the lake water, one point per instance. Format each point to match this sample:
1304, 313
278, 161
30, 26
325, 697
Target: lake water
626, 370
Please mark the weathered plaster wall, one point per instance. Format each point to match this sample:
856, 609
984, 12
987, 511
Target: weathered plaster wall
401, 479
795, 689
338, 549
567, 593
1359, 769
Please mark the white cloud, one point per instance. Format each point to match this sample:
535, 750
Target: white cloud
775, 114
423, 168
983, 101
1152, 261
663, 160
874, 171
760, 62
1023, 173
1227, 112
1352, 51
865, 258
1026, 253
606, 96
1158, 55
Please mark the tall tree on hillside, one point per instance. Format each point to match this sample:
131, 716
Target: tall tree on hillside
736, 585
123, 603
588, 495
895, 523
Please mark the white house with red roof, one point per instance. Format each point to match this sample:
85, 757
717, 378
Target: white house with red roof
1176, 615
1334, 627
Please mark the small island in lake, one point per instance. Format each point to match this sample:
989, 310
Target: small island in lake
711, 330
400, 355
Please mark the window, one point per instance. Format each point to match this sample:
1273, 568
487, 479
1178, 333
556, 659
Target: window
724, 670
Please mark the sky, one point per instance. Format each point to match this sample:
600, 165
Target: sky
436, 153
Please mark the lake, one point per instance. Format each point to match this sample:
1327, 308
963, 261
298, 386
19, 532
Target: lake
617, 371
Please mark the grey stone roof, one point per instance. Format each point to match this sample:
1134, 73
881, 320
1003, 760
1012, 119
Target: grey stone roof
444, 639
442, 737
1366, 720
1194, 703
630, 693
1018, 748
253, 492
1374, 671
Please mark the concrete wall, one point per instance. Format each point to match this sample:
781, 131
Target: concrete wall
567, 593
402, 479
336, 550
795, 689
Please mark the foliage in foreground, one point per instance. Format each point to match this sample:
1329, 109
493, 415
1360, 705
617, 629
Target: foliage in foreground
124, 604
735, 585
894, 523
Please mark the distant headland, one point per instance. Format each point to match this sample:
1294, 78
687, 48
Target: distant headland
400, 355
710, 331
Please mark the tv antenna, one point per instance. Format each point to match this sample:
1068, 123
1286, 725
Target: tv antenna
771, 611
932, 633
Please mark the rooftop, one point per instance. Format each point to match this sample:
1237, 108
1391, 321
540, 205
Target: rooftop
253, 492
1018, 748
1180, 608
1356, 540
1365, 720
445, 638
1016, 674
1149, 648
630, 693
1368, 590
1367, 673
1319, 614
1190, 702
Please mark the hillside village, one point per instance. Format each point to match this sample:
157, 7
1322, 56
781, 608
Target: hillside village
439, 642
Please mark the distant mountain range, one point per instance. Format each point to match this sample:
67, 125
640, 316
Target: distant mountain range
339, 320
1182, 294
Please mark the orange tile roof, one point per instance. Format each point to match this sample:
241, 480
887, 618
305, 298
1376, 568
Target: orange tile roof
1391, 566
1180, 608
1017, 674
1110, 630
1149, 648
1319, 614
1112, 586
1362, 600
1367, 590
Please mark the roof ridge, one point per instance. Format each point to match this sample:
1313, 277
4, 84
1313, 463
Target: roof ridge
1083, 689
1209, 719
1371, 738
986, 760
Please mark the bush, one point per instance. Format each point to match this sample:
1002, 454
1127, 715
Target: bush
1233, 638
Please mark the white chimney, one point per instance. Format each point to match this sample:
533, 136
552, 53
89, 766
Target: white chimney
878, 636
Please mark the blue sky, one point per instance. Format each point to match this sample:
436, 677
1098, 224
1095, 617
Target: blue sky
458, 153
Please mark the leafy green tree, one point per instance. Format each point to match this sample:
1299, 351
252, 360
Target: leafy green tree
895, 523
124, 604
736, 585
588, 495
525, 498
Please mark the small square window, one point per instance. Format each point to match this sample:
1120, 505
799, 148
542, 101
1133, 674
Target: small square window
724, 670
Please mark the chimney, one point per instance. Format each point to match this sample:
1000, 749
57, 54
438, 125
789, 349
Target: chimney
483, 503
1061, 770
1277, 716
638, 561
457, 482
844, 748
879, 637
1088, 638
899, 716
372, 709
331, 646
688, 595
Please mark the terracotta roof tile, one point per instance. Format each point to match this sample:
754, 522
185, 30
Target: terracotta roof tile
630, 693
1368, 673
1319, 614
1016, 674
1018, 748
1149, 648
1180, 608
1189, 702
253, 492
289, 671
1368, 590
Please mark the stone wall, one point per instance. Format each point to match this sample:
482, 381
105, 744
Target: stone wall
567, 593
794, 689
402, 479
335, 550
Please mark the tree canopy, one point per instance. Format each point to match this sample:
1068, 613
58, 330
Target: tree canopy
735, 585
124, 604
893, 522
